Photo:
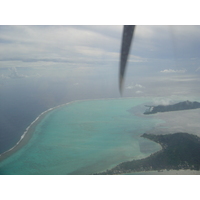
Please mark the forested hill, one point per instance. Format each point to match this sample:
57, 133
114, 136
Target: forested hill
179, 151
185, 105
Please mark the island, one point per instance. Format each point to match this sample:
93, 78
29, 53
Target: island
185, 105
179, 151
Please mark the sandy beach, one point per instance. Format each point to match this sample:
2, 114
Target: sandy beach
166, 172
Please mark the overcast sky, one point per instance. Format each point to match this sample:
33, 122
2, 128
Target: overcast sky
164, 53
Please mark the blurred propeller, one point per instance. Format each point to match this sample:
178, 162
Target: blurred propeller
128, 32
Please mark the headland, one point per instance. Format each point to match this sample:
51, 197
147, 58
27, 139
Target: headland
180, 151
185, 105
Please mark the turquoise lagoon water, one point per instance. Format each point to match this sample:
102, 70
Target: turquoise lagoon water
85, 137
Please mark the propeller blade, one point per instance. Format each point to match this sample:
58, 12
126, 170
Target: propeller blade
128, 31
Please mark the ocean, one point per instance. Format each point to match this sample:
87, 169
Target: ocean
85, 137
19, 106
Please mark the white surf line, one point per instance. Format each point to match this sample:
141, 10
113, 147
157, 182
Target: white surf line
32, 123
37, 118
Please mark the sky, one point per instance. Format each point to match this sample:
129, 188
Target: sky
166, 56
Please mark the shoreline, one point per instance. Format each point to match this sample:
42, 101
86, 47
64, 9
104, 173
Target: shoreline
175, 157
166, 172
26, 136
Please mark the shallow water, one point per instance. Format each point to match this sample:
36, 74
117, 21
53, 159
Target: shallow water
85, 137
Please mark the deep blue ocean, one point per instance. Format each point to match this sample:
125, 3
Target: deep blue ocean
19, 106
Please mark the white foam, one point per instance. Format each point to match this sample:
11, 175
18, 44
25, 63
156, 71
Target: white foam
32, 123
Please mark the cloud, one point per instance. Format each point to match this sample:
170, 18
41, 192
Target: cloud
58, 44
3, 76
138, 92
137, 59
95, 50
131, 86
14, 73
139, 86
183, 79
162, 101
173, 71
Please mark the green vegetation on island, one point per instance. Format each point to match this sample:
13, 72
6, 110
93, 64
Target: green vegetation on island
179, 151
185, 105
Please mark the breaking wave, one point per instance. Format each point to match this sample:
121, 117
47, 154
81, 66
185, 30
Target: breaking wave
32, 123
